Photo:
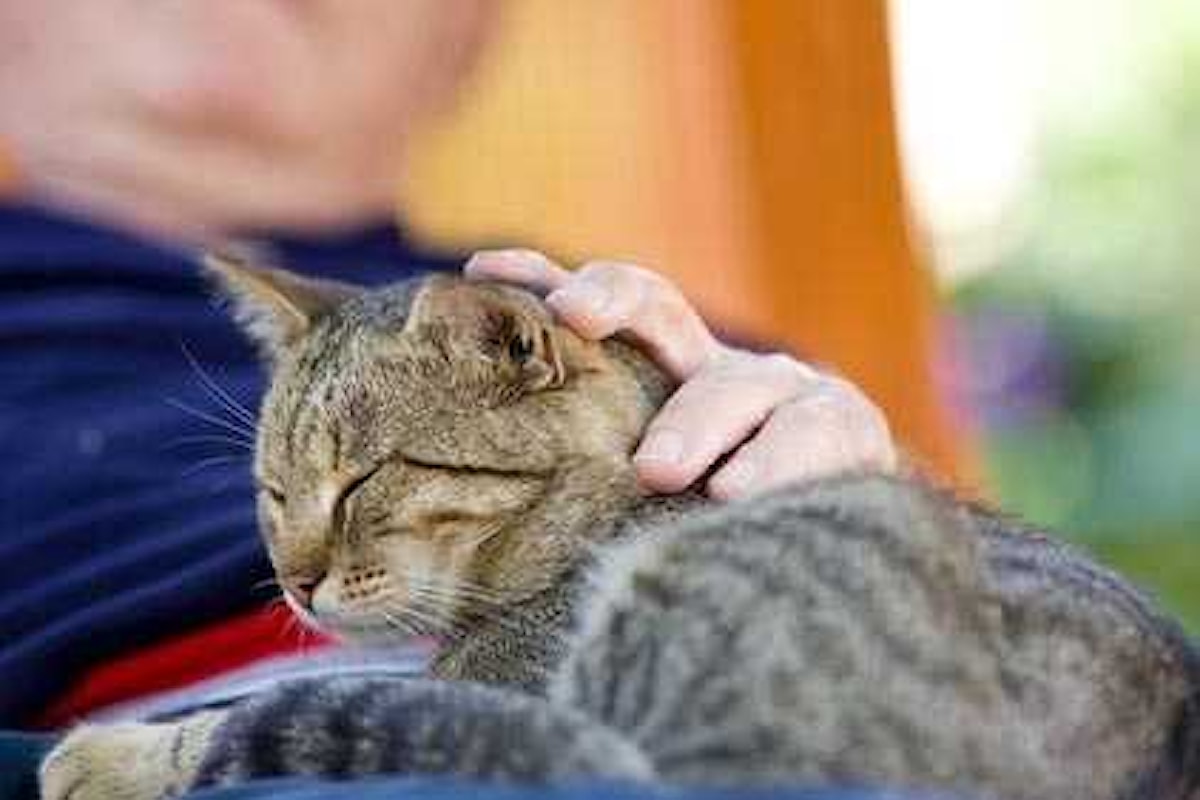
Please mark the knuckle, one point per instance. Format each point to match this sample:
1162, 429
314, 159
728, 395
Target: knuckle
848, 428
801, 413
674, 316
718, 381
741, 379
524, 256
861, 411
604, 271
819, 409
777, 370
732, 361
786, 369
627, 274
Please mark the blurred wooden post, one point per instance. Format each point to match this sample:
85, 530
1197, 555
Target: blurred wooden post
836, 255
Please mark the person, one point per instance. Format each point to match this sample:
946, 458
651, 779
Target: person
130, 559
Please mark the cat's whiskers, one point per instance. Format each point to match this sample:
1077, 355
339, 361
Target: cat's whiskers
277, 607
235, 427
433, 608
436, 604
238, 443
216, 392
477, 591
445, 603
294, 625
400, 622
459, 590
429, 616
266, 583
211, 461
494, 610
418, 621
498, 617
234, 423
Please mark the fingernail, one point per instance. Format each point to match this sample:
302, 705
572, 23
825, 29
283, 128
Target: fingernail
477, 261
664, 447
514, 261
585, 297
736, 477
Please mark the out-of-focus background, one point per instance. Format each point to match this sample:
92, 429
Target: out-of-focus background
762, 153
1053, 151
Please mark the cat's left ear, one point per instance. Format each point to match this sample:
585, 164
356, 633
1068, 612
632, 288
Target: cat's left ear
507, 326
274, 307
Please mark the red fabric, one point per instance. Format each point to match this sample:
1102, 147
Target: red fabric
183, 660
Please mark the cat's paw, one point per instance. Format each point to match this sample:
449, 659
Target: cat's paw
127, 761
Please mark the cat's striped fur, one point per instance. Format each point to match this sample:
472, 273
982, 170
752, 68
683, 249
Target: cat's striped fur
865, 629
859, 630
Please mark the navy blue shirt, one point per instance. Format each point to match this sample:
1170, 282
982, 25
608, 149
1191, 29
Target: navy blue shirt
126, 510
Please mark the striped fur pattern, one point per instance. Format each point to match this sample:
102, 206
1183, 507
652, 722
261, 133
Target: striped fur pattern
871, 629
344, 728
865, 629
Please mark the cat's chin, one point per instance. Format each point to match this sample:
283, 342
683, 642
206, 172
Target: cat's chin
368, 632
369, 638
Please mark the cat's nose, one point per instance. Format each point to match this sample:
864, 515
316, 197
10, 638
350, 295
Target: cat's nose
301, 588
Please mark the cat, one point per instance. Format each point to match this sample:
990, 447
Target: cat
441, 457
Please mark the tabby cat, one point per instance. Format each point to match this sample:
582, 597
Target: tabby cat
441, 457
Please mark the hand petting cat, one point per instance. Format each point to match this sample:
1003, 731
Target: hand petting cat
778, 418
441, 457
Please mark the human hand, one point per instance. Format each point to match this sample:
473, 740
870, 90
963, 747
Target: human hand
190, 120
780, 419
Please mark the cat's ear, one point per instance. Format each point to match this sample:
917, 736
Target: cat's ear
274, 307
507, 326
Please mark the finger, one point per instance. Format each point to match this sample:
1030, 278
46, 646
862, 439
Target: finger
711, 414
605, 297
527, 268
819, 434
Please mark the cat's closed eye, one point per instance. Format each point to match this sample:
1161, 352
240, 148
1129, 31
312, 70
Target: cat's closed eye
449, 521
358, 483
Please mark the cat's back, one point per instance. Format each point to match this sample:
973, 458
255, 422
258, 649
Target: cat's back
856, 630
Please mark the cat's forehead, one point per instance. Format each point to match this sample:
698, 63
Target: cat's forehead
377, 392
368, 380
447, 372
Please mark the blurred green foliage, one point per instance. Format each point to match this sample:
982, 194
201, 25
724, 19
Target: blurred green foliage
1099, 302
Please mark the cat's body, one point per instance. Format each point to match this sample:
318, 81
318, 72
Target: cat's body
455, 463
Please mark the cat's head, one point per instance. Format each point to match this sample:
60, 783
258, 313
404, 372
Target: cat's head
430, 451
